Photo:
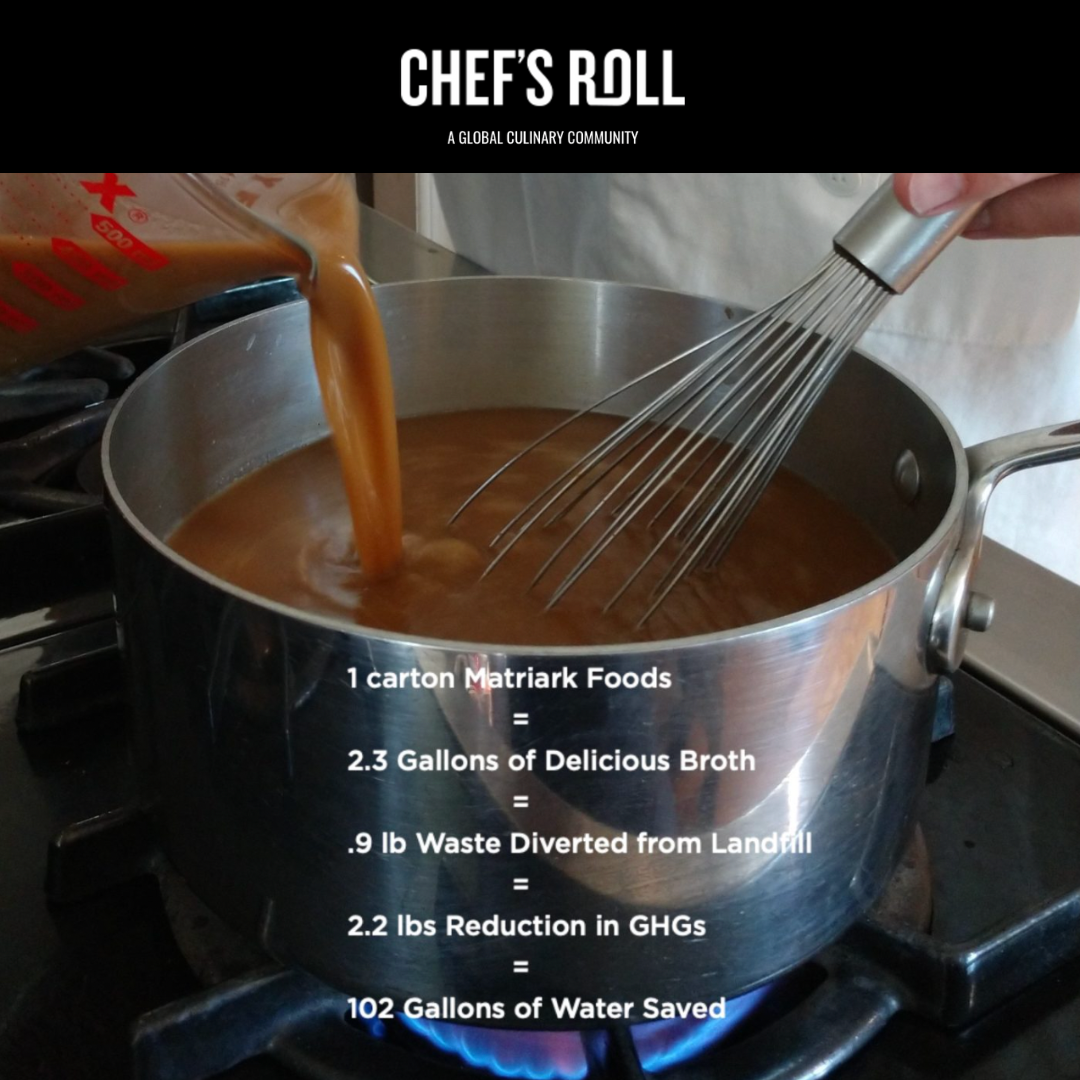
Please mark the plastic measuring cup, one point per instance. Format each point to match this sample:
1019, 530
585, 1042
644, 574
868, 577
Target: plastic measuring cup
84, 254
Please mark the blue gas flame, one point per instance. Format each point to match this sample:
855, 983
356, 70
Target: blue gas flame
529, 1055
664, 1043
560, 1055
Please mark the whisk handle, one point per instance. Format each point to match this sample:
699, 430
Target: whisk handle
893, 244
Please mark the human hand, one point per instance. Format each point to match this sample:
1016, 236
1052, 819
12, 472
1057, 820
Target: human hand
1020, 204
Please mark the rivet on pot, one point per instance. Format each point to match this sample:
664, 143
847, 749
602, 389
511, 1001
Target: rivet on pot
979, 612
906, 478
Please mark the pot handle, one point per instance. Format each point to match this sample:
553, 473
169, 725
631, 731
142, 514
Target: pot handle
958, 609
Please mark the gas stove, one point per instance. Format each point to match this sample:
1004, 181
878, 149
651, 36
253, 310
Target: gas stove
111, 967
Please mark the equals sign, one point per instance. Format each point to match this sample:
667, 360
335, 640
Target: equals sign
521, 967
521, 719
521, 884
521, 802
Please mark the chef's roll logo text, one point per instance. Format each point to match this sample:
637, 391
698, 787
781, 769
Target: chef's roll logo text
489, 76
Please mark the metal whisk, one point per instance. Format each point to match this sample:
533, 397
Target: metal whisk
706, 447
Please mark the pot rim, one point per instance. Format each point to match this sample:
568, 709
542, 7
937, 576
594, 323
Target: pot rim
352, 629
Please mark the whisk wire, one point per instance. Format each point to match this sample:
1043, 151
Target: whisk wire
767, 417
736, 456
573, 473
703, 449
563, 424
571, 476
737, 391
781, 432
763, 322
725, 517
790, 424
675, 459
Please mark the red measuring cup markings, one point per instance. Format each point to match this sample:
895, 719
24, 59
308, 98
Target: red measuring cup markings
84, 254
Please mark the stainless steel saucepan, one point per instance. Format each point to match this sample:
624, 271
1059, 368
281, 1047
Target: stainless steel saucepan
248, 719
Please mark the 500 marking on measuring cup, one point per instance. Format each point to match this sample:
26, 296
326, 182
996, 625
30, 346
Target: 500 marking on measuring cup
54, 191
131, 246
